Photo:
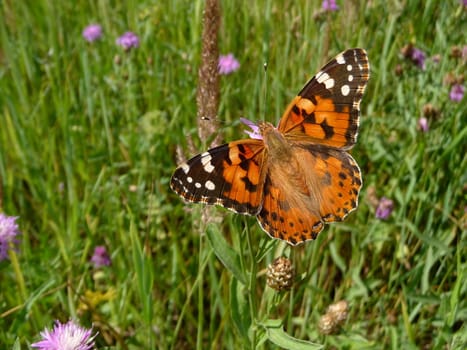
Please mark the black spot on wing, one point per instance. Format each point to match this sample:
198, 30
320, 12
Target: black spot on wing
328, 130
250, 186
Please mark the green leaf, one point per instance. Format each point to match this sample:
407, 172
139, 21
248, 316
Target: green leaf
338, 260
17, 345
276, 334
239, 309
144, 274
224, 253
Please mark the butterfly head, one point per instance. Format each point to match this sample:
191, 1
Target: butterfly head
258, 130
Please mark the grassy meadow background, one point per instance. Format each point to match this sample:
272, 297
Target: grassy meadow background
88, 138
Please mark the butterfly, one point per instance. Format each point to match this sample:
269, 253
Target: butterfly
297, 176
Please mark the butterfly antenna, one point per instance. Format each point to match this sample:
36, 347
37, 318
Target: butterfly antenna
265, 90
217, 119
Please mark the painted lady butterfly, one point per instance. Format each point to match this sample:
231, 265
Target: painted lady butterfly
295, 177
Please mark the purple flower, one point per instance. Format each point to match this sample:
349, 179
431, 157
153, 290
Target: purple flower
8, 231
423, 124
330, 5
418, 57
227, 64
100, 257
384, 209
128, 41
92, 32
68, 336
457, 93
256, 133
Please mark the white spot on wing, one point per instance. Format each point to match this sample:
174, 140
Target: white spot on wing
185, 167
197, 185
349, 67
345, 89
329, 83
326, 79
189, 179
208, 167
210, 185
340, 59
206, 161
350, 77
322, 77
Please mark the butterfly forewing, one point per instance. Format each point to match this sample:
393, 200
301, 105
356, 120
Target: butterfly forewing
327, 110
229, 175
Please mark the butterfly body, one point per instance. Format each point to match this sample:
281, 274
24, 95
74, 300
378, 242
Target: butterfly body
295, 177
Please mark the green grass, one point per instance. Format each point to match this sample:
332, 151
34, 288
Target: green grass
87, 146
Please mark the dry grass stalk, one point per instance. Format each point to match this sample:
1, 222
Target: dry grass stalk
207, 97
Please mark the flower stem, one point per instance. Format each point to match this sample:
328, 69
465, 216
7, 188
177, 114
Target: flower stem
252, 291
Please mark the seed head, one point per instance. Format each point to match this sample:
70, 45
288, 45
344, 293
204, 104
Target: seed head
280, 274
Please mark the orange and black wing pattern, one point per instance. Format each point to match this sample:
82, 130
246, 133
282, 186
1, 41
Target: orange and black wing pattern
229, 175
327, 110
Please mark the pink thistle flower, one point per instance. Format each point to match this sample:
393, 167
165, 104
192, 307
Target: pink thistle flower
92, 32
418, 57
8, 232
384, 209
255, 133
68, 336
100, 257
330, 5
128, 41
423, 124
415, 55
457, 93
227, 64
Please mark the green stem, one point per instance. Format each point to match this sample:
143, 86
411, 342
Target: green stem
19, 276
252, 291
199, 336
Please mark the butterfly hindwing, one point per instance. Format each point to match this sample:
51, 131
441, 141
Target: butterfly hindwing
327, 110
323, 187
286, 216
229, 175
336, 180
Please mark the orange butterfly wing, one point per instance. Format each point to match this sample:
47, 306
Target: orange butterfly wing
327, 110
229, 175
294, 219
322, 186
